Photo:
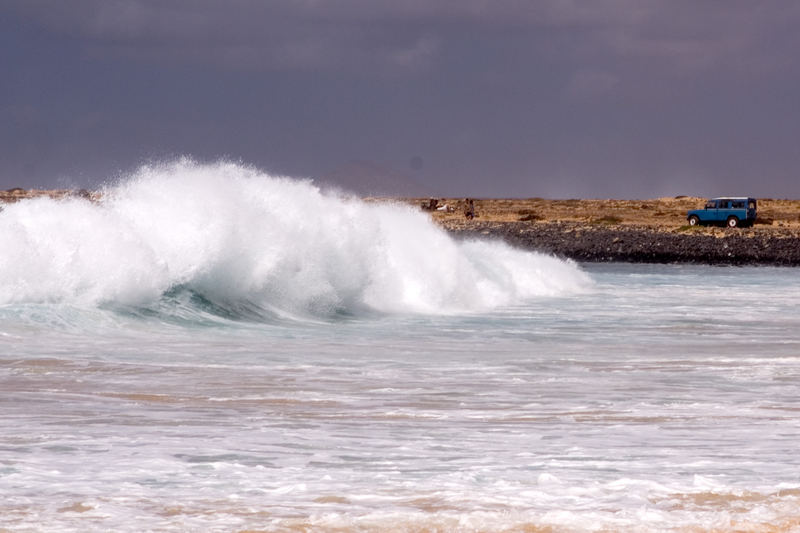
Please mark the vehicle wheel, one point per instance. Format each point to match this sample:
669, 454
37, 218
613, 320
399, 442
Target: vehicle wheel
694, 220
733, 222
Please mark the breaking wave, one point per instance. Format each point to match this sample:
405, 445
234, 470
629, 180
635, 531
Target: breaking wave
234, 237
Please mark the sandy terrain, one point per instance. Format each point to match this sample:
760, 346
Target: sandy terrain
16, 194
653, 231
661, 214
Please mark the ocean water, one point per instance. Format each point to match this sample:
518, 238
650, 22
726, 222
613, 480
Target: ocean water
210, 348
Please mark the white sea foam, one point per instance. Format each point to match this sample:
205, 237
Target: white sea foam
234, 234
613, 410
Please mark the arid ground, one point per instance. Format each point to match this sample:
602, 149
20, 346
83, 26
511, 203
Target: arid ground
653, 230
662, 214
16, 194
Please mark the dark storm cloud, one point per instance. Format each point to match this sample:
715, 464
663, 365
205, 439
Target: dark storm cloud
543, 98
680, 35
236, 34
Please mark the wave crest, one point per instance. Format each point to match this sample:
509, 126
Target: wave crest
234, 234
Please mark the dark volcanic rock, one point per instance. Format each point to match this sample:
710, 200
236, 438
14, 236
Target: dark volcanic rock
597, 243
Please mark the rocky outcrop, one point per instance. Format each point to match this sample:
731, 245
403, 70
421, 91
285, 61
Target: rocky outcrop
598, 243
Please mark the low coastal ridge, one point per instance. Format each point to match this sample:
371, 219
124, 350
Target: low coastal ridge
641, 231
17, 193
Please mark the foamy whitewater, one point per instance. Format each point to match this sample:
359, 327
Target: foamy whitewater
209, 348
241, 238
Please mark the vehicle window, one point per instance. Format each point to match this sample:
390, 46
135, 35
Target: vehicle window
722, 204
752, 205
711, 204
738, 205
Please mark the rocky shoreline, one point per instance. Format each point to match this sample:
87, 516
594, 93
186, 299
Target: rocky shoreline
642, 244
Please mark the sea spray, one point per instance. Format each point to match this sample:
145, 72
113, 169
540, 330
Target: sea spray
237, 236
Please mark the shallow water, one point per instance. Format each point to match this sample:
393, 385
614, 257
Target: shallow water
663, 398
602, 398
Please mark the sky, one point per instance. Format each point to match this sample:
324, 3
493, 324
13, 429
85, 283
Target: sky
483, 98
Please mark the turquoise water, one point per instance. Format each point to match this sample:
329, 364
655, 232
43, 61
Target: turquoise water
171, 395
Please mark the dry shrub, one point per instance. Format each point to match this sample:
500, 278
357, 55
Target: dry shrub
608, 219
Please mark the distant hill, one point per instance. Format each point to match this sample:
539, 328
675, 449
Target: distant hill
366, 178
17, 193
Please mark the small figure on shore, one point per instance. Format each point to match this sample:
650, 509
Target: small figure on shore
469, 208
432, 205
81, 193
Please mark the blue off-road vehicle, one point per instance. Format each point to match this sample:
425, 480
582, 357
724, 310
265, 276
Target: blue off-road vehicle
732, 212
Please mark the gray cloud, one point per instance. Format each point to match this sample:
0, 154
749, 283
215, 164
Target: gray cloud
505, 97
679, 34
239, 34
